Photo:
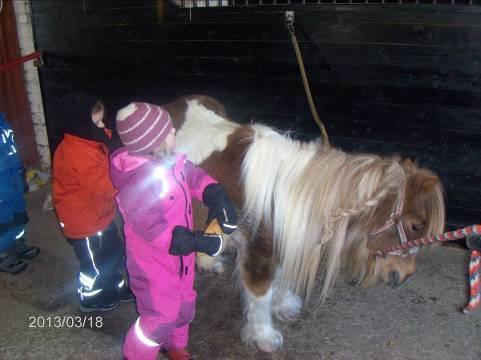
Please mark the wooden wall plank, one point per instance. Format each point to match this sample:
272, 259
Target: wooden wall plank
455, 36
325, 54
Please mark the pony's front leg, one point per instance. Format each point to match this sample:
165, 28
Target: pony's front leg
286, 305
257, 272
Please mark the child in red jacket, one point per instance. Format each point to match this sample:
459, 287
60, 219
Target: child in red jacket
83, 198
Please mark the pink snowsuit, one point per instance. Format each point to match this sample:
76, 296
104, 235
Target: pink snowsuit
154, 198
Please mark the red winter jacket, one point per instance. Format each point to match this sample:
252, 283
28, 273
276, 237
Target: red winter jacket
83, 194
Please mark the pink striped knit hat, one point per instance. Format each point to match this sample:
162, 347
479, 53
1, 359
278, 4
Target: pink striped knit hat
142, 127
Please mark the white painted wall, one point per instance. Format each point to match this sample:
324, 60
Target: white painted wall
25, 37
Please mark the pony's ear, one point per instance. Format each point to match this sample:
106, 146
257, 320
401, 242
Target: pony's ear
427, 182
408, 165
424, 179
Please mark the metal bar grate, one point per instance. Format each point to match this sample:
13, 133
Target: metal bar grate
224, 3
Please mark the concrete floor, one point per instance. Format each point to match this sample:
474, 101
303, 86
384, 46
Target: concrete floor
419, 320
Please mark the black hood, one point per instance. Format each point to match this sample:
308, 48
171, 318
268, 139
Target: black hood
75, 111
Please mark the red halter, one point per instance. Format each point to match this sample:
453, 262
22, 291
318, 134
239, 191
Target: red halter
395, 219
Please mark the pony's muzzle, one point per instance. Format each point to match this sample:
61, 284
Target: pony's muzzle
394, 279
394, 270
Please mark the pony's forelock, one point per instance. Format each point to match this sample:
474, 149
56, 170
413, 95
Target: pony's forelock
437, 215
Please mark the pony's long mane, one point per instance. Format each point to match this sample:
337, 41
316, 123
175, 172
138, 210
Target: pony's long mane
307, 197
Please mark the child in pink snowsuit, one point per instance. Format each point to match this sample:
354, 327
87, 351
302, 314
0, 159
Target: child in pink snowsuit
155, 189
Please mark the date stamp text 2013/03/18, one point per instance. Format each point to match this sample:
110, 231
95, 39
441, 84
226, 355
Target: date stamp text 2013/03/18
65, 321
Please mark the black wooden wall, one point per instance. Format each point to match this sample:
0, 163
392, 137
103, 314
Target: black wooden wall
387, 79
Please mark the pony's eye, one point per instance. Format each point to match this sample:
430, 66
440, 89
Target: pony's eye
416, 227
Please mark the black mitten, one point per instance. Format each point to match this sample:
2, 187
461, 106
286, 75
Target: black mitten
220, 207
210, 244
182, 241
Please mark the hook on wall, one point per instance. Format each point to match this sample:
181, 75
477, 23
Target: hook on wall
84, 7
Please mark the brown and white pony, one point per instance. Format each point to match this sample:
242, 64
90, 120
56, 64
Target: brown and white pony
304, 208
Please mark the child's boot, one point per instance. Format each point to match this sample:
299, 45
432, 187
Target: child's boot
178, 354
10, 263
125, 294
102, 301
25, 251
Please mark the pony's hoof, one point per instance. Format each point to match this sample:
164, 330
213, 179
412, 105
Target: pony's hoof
266, 338
288, 308
273, 343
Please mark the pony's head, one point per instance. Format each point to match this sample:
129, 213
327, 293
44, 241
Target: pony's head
414, 210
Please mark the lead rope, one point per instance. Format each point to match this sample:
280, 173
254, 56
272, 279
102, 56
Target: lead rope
474, 293
315, 115
474, 263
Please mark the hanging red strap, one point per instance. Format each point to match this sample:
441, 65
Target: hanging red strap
34, 55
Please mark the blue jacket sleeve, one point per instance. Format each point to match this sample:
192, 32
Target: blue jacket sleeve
12, 171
